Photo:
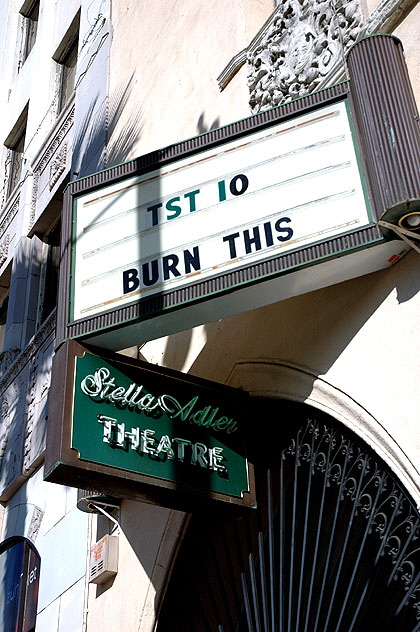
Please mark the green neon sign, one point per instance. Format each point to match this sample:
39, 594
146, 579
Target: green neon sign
151, 424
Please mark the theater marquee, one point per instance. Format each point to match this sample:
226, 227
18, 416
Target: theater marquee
231, 220
281, 188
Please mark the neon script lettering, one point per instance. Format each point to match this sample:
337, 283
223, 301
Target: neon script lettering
101, 386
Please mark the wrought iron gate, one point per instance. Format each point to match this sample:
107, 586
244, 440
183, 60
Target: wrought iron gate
333, 546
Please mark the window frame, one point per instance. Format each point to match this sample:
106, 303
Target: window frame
49, 268
30, 17
66, 58
5, 280
15, 146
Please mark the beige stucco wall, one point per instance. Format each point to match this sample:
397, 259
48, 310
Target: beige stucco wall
409, 34
175, 104
147, 541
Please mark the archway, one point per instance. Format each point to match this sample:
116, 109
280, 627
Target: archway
333, 545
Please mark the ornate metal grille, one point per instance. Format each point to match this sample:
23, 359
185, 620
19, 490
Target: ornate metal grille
333, 545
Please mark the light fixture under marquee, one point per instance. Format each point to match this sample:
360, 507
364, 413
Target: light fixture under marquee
403, 220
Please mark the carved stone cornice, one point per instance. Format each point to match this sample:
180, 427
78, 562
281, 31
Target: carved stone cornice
6, 360
4, 249
30, 412
58, 165
64, 123
302, 45
5, 426
231, 69
52, 155
9, 214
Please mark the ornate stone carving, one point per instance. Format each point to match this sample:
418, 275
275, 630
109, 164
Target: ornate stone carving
5, 427
31, 404
304, 42
6, 174
35, 524
4, 249
9, 215
58, 165
6, 360
45, 387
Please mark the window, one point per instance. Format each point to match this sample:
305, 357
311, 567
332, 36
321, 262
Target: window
15, 144
16, 158
49, 274
30, 12
68, 75
66, 58
3, 318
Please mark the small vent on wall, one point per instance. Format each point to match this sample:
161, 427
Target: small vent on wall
103, 560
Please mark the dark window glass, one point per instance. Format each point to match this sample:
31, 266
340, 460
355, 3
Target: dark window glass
30, 28
49, 294
16, 159
68, 74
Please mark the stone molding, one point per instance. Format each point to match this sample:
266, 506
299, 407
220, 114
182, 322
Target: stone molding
278, 380
12, 379
387, 16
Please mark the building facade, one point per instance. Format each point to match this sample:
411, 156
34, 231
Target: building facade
331, 366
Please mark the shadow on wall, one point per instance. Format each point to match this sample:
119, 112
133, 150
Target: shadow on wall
408, 285
99, 143
202, 128
121, 145
176, 355
311, 330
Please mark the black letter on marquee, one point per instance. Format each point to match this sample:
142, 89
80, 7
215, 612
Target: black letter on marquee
268, 233
192, 260
252, 240
147, 280
244, 184
131, 280
231, 240
169, 265
283, 229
